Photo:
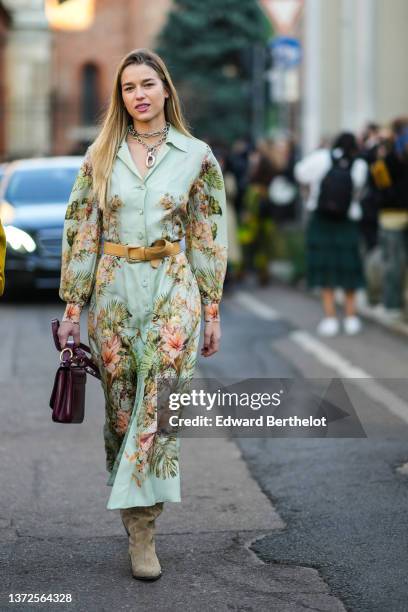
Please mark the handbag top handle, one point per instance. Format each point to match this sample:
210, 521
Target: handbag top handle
55, 326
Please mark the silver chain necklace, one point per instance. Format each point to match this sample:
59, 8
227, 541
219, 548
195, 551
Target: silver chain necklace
151, 149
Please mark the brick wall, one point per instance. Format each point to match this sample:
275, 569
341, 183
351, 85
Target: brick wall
119, 27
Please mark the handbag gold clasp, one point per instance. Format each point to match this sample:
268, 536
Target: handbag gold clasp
63, 351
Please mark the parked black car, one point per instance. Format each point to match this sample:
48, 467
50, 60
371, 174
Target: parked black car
33, 200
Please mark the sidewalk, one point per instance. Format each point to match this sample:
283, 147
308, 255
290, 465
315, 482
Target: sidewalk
377, 313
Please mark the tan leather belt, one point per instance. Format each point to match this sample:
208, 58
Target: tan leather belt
161, 248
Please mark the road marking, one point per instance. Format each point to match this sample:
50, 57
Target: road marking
327, 356
263, 311
330, 358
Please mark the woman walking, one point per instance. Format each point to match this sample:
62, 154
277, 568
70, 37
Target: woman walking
145, 184
332, 239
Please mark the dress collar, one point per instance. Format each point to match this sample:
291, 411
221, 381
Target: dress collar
178, 139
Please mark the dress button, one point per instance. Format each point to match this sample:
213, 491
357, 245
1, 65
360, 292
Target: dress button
144, 283
142, 187
141, 211
140, 235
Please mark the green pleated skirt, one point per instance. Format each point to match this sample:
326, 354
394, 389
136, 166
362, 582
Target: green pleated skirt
333, 257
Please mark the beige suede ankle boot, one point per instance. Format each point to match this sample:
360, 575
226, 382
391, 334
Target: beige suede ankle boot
139, 522
124, 520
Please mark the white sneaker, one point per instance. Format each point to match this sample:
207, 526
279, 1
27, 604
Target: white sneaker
352, 325
329, 326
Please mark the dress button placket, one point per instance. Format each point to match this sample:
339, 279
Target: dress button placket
141, 210
141, 235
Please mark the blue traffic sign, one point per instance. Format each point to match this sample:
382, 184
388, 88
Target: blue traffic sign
286, 51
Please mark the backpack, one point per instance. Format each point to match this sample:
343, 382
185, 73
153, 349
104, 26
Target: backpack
336, 190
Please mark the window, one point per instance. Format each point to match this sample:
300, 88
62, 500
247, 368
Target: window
90, 102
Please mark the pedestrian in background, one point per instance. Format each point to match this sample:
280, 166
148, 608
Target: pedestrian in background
376, 143
238, 164
145, 184
391, 180
2, 258
258, 230
283, 189
234, 260
371, 150
333, 258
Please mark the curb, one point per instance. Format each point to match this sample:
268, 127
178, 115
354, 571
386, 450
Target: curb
370, 313
398, 327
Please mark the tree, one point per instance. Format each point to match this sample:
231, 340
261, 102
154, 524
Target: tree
208, 46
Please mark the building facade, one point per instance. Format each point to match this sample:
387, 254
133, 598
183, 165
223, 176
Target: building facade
84, 65
354, 65
27, 80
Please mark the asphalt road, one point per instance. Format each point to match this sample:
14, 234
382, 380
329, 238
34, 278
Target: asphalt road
281, 524
343, 501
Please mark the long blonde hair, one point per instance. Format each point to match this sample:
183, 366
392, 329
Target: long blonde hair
114, 126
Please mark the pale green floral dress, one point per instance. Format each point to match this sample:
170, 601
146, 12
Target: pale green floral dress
144, 322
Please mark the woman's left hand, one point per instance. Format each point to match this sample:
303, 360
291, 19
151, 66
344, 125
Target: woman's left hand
212, 335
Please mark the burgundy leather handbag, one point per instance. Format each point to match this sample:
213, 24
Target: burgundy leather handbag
68, 394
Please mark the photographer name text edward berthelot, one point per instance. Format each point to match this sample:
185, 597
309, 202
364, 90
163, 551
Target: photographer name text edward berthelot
261, 421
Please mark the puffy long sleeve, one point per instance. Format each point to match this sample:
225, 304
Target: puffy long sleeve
80, 244
206, 233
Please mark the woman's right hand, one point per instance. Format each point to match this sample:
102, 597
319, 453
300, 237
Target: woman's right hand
66, 329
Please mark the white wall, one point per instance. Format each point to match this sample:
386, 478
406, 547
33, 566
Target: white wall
27, 74
392, 60
355, 67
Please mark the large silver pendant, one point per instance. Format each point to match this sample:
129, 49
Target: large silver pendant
150, 159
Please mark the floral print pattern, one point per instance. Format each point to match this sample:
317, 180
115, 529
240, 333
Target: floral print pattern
212, 312
144, 322
207, 255
72, 313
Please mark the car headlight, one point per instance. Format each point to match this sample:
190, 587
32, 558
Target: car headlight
19, 240
7, 212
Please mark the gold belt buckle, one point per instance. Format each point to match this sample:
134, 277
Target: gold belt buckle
130, 259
